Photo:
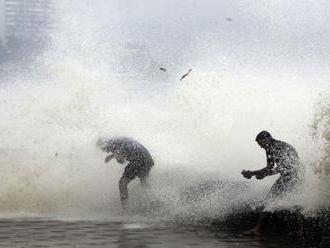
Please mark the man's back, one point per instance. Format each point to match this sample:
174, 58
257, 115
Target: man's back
285, 156
130, 149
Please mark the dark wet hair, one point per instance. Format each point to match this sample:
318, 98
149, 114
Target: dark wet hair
106, 145
263, 135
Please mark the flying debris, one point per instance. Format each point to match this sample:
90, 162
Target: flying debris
229, 19
184, 75
162, 69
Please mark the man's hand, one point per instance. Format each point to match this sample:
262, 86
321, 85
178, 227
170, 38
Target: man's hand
247, 174
120, 159
108, 158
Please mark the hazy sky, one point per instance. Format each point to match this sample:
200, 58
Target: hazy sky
179, 31
297, 32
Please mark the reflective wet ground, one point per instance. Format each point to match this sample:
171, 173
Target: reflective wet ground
50, 233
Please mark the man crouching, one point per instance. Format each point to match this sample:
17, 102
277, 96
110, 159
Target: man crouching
139, 161
282, 159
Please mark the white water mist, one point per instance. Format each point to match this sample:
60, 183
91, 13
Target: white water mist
206, 124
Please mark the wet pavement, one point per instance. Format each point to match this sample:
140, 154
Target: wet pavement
52, 233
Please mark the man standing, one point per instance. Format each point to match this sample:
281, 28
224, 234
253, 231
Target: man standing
139, 161
288, 165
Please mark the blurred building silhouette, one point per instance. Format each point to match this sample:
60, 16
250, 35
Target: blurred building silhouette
2, 23
24, 24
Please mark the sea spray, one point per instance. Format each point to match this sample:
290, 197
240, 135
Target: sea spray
199, 131
320, 132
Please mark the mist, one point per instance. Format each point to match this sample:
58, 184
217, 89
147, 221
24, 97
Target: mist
254, 67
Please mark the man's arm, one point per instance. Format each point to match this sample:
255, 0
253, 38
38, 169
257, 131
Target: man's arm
264, 172
259, 174
108, 158
269, 170
120, 159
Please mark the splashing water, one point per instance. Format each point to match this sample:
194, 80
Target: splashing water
320, 133
200, 131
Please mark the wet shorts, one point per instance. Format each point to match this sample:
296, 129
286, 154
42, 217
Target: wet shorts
283, 185
138, 169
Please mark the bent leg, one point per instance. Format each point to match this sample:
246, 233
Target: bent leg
262, 223
277, 190
129, 174
123, 182
260, 227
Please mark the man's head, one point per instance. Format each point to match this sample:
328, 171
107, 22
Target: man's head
106, 145
264, 139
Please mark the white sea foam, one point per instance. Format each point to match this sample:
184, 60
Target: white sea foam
199, 129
